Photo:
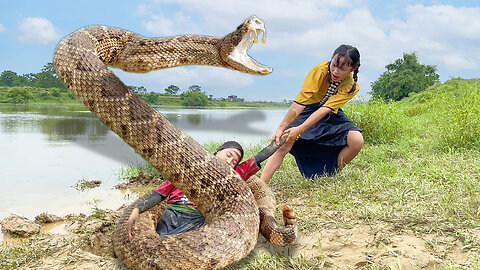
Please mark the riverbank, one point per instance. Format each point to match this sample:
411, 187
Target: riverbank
409, 200
49, 96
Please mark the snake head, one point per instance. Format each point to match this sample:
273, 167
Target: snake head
234, 46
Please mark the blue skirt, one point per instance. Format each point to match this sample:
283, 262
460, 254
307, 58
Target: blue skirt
174, 221
316, 151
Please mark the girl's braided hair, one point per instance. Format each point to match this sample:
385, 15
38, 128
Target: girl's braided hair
351, 57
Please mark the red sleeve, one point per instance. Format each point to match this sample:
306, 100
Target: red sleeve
165, 188
247, 168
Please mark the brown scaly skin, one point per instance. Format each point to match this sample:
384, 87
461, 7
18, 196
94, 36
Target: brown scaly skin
231, 213
268, 225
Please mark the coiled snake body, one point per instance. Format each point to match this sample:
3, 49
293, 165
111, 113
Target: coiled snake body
229, 207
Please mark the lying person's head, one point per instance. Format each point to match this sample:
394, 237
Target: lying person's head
231, 152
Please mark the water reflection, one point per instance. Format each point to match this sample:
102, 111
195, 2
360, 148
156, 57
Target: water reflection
74, 129
235, 122
75, 124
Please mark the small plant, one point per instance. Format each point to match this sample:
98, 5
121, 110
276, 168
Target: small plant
97, 212
134, 170
83, 184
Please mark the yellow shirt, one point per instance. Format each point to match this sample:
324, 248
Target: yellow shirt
316, 85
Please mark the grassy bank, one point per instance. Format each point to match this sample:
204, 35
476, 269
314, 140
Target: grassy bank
417, 175
419, 171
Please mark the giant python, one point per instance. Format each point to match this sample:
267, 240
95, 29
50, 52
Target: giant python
228, 204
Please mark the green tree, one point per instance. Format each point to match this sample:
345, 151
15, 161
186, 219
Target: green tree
195, 87
29, 79
403, 76
19, 95
48, 78
138, 89
194, 98
172, 89
151, 98
22, 81
8, 78
55, 92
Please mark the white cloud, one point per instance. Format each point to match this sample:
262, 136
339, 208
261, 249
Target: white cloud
2, 28
160, 26
458, 62
37, 30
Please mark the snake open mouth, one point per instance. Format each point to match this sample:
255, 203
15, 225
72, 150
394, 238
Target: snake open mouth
239, 53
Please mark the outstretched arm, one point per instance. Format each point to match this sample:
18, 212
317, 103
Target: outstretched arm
252, 165
148, 203
292, 114
294, 132
269, 150
151, 201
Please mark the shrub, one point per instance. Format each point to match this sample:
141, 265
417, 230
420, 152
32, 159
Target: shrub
19, 95
194, 98
455, 113
381, 121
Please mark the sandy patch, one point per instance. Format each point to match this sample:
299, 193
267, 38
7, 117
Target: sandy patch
364, 244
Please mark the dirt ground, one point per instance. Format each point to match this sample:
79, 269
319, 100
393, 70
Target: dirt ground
363, 245
336, 248
85, 243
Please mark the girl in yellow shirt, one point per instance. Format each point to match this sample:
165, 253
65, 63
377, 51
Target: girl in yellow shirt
320, 136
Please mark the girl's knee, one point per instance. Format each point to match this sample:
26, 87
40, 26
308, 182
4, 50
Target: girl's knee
355, 139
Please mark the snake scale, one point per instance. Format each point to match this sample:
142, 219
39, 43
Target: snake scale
228, 204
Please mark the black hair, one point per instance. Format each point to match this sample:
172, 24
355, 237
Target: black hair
350, 56
231, 144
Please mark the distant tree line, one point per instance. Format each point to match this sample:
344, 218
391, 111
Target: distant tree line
403, 76
46, 78
22, 86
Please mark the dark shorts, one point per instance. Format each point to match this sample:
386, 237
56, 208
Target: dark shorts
316, 151
174, 221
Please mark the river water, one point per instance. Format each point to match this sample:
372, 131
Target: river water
46, 149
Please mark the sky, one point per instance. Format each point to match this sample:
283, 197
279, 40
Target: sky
300, 34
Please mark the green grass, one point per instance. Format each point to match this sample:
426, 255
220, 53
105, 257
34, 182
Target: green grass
27, 94
276, 261
11, 257
133, 170
419, 169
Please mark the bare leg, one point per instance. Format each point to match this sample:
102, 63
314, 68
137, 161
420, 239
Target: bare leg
354, 145
274, 162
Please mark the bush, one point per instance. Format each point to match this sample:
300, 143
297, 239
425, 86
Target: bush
381, 121
19, 95
455, 113
151, 98
194, 99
